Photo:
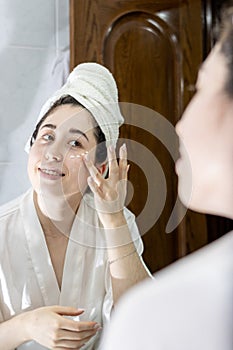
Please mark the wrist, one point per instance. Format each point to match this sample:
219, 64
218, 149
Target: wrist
113, 220
18, 324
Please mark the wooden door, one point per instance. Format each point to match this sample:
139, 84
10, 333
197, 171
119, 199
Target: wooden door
154, 49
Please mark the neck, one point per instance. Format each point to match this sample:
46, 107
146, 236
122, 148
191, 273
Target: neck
56, 215
216, 197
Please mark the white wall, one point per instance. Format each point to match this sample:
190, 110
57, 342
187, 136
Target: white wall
34, 61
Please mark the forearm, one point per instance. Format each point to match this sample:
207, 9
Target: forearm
12, 333
126, 266
126, 272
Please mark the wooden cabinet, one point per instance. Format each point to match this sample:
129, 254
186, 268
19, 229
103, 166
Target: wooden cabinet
154, 49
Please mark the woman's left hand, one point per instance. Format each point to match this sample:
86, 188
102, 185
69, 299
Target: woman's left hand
109, 193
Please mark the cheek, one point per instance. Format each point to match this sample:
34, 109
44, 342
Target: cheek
78, 174
190, 129
77, 168
33, 159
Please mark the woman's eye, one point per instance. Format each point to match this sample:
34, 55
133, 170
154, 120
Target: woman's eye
48, 137
75, 143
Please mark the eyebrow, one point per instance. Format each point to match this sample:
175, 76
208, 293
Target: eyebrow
50, 126
72, 130
77, 131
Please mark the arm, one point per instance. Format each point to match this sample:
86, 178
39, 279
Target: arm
14, 324
126, 266
48, 327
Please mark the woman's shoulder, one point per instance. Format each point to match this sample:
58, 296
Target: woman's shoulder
13, 206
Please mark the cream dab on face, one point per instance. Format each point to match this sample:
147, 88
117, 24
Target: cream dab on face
72, 156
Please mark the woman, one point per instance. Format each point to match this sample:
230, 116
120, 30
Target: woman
190, 304
69, 248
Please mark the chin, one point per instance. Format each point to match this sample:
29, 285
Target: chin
185, 188
193, 200
184, 196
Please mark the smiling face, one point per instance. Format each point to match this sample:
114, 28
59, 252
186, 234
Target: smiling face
54, 165
205, 131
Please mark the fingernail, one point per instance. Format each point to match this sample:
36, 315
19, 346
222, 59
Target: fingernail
97, 326
86, 157
123, 147
90, 180
111, 148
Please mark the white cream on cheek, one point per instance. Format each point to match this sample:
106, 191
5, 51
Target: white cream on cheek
73, 156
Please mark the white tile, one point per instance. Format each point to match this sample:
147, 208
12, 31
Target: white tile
62, 20
28, 22
13, 180
33, 37
24, 73
27, 80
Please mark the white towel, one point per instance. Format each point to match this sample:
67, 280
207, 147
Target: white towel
94, 87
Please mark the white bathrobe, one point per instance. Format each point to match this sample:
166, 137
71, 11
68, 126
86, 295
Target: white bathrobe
27, 276
188, 305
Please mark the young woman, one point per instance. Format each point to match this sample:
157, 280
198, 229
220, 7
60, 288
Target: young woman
190, 305
69, 248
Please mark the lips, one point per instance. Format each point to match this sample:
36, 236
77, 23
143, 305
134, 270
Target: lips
51, 172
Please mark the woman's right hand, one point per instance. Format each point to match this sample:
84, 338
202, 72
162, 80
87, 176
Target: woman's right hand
48, 327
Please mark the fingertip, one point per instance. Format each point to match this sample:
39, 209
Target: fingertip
97, 326
111, 148
111, 152
81, 311
123, 152
123, 147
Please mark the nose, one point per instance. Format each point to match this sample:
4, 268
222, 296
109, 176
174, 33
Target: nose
53, 154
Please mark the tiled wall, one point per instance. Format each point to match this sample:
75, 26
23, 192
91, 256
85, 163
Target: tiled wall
34, 61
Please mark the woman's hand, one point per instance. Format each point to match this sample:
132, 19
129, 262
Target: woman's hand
48, 327
110, 193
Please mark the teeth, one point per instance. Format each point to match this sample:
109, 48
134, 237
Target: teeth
50, 172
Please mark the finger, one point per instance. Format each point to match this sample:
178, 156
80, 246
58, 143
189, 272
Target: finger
77, 335
123, 165
94, 186
113, 164
72, 344
67, 310
123, 152
88, 325
94, 172
78, 326
89, 164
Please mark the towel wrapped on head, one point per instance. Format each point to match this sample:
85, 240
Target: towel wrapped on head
94, 87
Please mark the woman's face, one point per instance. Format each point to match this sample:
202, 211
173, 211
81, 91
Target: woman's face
204, 133
55, 166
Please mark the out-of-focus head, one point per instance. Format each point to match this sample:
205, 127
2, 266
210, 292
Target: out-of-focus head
206, 132
226, 44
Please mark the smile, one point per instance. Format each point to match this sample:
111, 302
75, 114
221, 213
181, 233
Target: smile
51, 172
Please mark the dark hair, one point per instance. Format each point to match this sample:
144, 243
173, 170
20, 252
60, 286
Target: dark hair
226, 42
101, 151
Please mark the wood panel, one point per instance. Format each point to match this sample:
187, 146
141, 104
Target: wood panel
154, 49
